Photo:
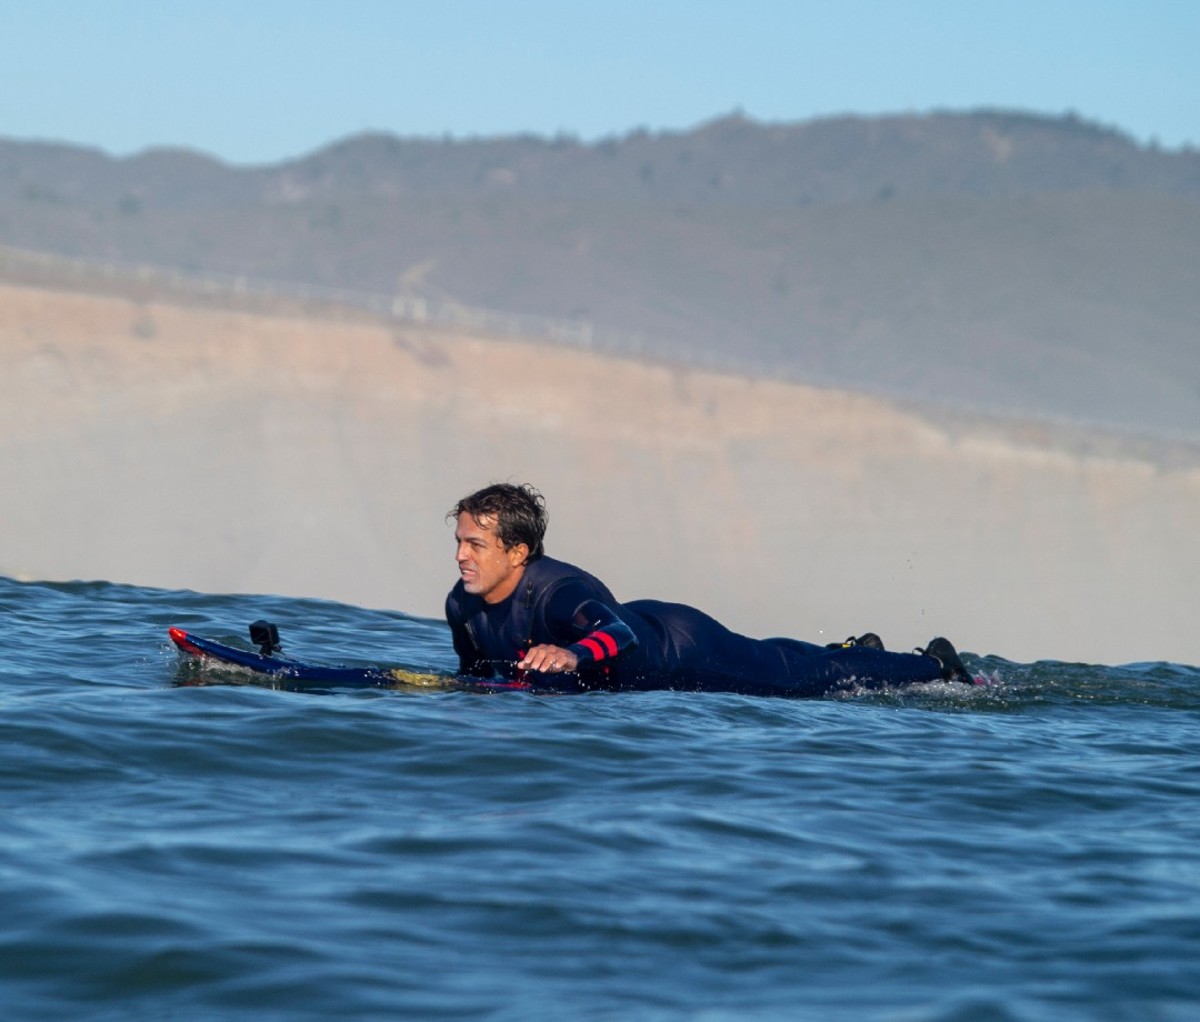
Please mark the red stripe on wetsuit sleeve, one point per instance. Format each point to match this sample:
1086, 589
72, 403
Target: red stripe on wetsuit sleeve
593, 647
609, 643
601, 645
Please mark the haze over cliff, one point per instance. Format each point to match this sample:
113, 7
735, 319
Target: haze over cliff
227, 447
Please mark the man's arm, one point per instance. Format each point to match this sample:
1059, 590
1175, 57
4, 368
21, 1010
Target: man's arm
592, 633
469, 660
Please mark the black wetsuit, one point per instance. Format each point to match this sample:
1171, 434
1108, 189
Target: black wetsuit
647, 644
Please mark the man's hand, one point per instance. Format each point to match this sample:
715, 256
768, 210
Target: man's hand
549, 660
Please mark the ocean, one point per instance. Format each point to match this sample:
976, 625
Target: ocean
1024, 849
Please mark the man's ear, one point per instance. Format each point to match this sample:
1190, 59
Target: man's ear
518, 554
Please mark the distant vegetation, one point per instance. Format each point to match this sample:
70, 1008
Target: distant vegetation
991, 259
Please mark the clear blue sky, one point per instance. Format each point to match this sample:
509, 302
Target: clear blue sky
258, 81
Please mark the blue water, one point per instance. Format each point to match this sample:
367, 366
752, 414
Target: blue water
1028, 849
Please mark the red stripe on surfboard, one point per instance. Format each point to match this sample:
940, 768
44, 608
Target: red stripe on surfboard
180, 638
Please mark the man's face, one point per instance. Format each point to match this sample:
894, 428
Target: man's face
487, 568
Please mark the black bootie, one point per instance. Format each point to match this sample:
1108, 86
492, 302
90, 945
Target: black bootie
869, 640
943, 651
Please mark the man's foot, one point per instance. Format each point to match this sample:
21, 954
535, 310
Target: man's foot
943, 651
868, 639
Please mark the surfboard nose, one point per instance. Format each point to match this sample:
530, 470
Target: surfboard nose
183, 641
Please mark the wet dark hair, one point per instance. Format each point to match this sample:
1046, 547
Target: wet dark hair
520, 513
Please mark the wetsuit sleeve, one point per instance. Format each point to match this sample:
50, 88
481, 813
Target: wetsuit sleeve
469, 661
592, 630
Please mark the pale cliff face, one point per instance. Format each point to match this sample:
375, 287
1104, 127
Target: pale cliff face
218, 450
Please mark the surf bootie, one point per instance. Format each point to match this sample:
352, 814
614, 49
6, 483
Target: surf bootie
943, 651
869, 640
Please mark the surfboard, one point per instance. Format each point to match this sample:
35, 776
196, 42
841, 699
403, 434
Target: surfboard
291, 673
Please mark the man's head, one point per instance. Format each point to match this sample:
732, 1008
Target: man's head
518, 514
498, 530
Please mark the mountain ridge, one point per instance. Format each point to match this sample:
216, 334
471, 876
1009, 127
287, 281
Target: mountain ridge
727, 159
1010, 261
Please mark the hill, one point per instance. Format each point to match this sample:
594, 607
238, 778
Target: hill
987, 260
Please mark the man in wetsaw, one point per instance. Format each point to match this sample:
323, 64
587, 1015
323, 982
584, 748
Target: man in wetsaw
518, 614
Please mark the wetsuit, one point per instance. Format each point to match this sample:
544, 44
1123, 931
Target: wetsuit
647, 644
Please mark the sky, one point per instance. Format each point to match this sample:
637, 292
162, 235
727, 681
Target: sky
263, 81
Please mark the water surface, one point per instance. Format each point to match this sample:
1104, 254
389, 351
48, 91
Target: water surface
1028, 849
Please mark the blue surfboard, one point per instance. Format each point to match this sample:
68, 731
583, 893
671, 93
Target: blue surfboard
288, 673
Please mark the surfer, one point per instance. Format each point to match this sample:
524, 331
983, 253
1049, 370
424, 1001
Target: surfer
518, 614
